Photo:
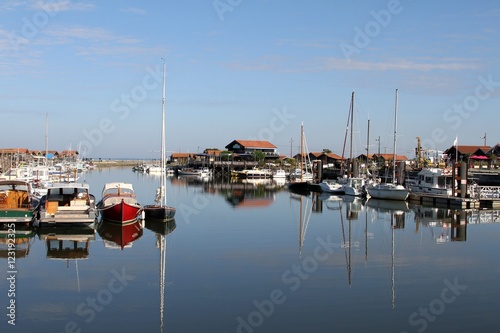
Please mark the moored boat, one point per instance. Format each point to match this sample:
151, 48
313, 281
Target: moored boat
388, 191
255, 173
279, 174
119, 203
331, 186
160, 210
433, 181
67, 203
16, 201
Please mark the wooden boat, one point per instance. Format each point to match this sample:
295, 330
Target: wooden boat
160, 210
119, 203
16, 202
67, 203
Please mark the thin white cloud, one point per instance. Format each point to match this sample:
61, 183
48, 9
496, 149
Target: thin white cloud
134, 10
10, 5
280, 64
396, 64
61, 6
68, 34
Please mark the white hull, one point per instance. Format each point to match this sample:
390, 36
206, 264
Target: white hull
354, 187
331, 187
388, 192
433, 181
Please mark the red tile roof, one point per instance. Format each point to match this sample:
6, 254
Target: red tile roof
255, 144
388, 157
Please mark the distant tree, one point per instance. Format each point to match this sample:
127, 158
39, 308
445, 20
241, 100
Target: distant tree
226, 155
327, 151
259, 156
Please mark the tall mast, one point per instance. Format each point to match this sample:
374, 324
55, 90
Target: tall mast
162, 164
46, 139
302, 151
351, 168
395, 136
368, 148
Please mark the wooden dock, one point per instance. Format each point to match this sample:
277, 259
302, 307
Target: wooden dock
443, 201
478, 196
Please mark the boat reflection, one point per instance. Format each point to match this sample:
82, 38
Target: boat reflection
20, 243
67, 243
118, 235
161, 230
251, 193
445, 225
160, 227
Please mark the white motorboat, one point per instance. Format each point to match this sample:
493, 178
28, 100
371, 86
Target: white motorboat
331, 186
67, 203
433, 181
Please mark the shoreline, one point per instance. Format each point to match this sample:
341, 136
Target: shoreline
115, 163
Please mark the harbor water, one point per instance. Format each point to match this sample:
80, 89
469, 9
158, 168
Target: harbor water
247, 257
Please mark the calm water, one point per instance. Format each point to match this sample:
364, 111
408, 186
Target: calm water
253, 260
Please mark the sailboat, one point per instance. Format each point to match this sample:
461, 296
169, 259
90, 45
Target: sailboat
354, 186
302, 184
390, 191
159, 210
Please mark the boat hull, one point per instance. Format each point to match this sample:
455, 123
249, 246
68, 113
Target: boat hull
121, 212
299, 187
16, 215
388, 192
16, 202
122, 235
334, 188
158, 212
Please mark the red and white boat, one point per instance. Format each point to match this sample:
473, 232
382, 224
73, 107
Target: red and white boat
119, 203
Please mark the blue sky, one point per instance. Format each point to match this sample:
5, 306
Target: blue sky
241, 69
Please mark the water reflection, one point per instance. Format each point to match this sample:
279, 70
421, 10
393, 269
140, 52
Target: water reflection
445, 224
161, 230
118, 235
248, 193
22, 240
67, 243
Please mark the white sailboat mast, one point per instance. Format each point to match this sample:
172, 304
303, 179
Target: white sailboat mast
46, 139
395, 137
162, 164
